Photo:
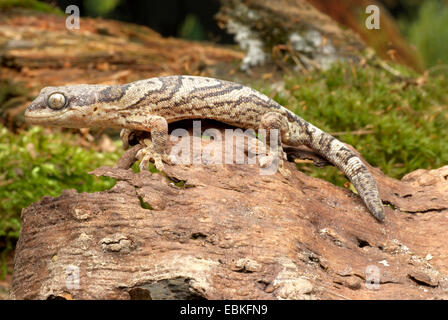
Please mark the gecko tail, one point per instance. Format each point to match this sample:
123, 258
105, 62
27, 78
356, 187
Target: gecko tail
350, 164
368, 191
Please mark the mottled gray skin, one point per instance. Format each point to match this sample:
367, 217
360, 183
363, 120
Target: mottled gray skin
150, 104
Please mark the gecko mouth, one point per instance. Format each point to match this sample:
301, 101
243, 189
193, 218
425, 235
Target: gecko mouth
41, 118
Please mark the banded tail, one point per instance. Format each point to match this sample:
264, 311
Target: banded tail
349, 163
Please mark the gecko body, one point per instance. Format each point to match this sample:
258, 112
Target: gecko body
149, 105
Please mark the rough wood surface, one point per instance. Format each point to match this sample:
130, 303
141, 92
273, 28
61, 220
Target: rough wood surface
229, 233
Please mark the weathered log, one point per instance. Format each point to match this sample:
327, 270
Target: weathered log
35, 47
227, 232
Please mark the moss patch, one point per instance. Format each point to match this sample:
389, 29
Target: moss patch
30, 4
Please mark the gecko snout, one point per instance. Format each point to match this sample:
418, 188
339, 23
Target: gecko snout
38, 112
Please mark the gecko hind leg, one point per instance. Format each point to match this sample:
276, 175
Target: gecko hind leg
154, 148
275, 126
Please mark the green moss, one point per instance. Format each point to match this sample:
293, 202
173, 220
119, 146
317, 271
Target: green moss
396, 126
144, 204
36, 163
30, 4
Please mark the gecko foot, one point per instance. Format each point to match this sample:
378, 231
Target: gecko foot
148, 153
273, 161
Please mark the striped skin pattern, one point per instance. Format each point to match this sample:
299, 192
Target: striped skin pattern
149, 105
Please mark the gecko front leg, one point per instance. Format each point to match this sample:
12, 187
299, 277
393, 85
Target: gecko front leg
154, 148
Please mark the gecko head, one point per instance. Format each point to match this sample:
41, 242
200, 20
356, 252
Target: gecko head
70, 106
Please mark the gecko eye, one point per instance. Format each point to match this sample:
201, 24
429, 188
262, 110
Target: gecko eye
56, 100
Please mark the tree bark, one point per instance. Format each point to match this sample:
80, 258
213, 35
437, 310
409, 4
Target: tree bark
288, 30
227, 232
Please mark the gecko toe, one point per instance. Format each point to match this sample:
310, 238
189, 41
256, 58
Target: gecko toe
141, 154
283, 171
147, 154
126, 135
266, 161
169, 159
144, 163
159, 164
273, 163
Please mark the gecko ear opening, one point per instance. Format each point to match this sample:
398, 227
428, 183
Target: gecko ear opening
56, 100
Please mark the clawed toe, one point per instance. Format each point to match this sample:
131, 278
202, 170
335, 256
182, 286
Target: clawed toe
283, 171
125, 135
144, 164
169, 159
145, 155
268, 162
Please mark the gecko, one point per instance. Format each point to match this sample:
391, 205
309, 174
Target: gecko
151, 104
